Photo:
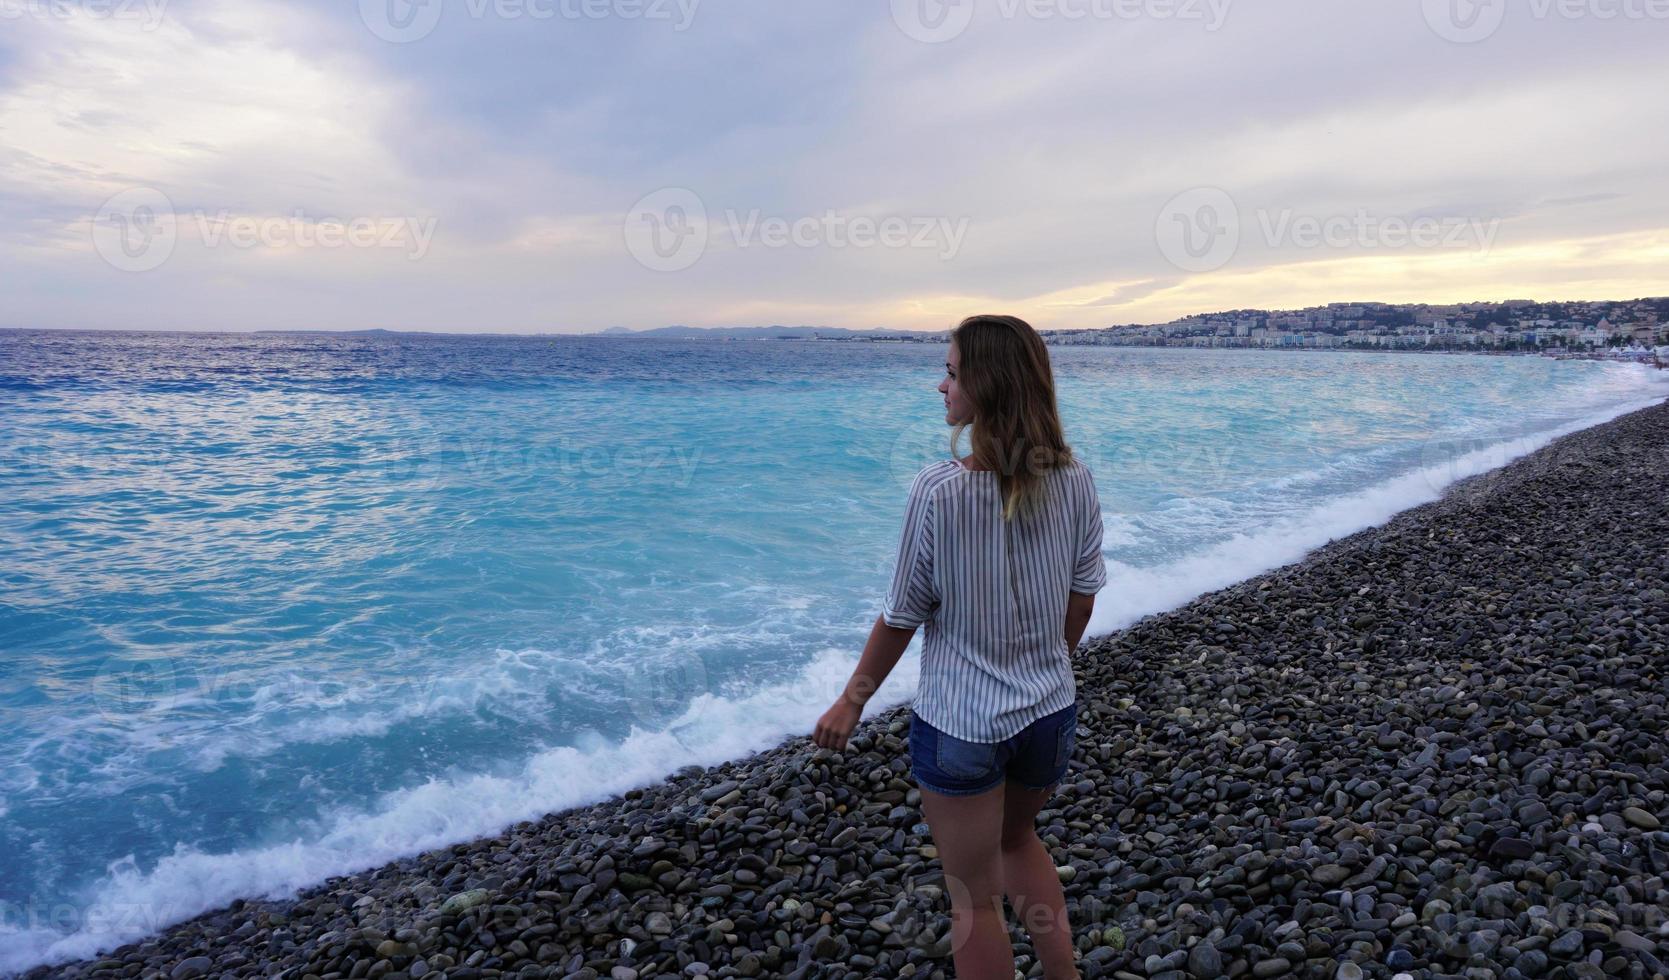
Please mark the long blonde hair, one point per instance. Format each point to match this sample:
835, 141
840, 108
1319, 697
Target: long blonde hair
1004, 374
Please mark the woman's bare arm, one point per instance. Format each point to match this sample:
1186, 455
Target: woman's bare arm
886, 644
1078, 609
880, 655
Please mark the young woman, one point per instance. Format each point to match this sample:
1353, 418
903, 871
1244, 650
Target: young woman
1000, 559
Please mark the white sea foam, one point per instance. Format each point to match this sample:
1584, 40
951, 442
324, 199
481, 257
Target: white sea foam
1120, 532
132, 902
294, 708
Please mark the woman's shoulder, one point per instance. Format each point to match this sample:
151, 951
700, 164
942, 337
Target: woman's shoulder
941, 469
1073, 466
1076, 473
935, 474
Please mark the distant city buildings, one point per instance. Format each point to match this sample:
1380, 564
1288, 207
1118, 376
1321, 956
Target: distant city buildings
1633, 329
1514, 325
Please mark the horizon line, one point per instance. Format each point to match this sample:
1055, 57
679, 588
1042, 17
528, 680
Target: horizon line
625, 331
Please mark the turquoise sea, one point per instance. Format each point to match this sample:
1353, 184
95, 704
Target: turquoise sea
279, 607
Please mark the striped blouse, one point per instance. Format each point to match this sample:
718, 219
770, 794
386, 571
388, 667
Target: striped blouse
992, 595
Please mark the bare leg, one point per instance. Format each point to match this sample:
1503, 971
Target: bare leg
968, 833
1032, 884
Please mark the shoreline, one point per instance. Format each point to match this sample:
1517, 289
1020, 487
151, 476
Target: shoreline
1257, 831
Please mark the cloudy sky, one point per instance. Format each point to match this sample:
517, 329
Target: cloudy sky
570, 165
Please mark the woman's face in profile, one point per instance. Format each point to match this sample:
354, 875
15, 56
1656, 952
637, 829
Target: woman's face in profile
956, 410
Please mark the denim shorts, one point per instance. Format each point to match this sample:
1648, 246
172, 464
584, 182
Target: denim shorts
1036, 756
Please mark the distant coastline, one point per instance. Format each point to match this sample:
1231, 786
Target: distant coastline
1509, 326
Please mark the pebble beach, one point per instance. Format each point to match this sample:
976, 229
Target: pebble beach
1434, 748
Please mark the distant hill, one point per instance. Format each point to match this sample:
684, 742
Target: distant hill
776, 331
674, 332
352, 333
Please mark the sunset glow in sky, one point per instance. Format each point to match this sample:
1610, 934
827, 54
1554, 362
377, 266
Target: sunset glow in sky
570, 165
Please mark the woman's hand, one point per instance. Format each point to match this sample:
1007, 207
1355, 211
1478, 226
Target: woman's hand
837, 723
